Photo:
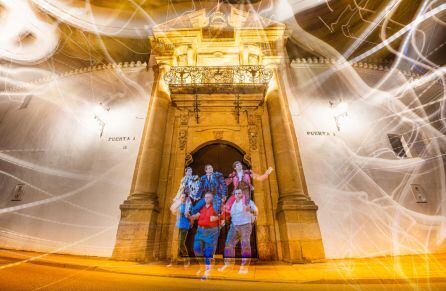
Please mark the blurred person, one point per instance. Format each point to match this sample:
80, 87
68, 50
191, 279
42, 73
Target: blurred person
242, 179
214, 183
242, 219
206, 238
183, 224
189, 185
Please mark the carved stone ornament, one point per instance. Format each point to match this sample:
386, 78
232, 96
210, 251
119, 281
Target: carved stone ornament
184, 118
247, 160
182, 139
218, 134
188, 159
252, 136
160, 47
251, 118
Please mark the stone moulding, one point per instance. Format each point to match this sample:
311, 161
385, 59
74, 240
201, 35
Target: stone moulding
139, 64
363, 65
78, 71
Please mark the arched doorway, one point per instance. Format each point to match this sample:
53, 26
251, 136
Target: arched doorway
221, 156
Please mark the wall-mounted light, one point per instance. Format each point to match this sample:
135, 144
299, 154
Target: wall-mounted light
100, 115
418, 193
18, 192
340, 112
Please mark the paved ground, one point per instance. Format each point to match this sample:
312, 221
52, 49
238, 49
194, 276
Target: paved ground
35, 271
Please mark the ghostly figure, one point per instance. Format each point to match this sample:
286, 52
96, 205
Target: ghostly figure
190, 185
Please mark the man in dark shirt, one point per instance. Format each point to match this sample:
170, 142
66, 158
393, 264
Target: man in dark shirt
213, 182
208, 230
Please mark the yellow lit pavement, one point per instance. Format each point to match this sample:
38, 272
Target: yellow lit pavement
427, 272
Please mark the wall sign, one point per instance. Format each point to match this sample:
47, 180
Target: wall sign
321, 133
121, 138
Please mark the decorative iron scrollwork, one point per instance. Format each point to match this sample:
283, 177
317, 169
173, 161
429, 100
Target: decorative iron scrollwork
200, 75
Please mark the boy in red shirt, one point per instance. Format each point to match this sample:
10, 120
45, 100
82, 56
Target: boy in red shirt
208, 231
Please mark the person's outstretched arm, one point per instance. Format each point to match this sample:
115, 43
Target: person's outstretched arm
197, 207
175, 205
258, 177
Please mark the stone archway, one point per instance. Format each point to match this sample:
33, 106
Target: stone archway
220, 162
219, 155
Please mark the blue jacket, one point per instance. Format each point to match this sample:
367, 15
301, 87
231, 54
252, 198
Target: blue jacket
216, 185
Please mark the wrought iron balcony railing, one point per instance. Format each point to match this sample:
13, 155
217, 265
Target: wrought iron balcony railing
197, 76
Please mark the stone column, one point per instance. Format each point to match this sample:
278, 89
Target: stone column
137, 227
298, 226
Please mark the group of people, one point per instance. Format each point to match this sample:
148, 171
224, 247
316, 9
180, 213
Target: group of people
206, 199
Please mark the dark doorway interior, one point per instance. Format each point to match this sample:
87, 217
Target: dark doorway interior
220, 156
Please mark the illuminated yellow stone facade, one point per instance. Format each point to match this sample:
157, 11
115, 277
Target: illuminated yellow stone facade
218, 81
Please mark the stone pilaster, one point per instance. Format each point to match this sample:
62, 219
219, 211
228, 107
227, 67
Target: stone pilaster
298, 226
137, 227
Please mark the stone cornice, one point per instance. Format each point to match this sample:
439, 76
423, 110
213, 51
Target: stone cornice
89, 69
363, 65
130, 65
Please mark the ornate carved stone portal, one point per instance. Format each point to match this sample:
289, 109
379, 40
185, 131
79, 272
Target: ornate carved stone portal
218, 82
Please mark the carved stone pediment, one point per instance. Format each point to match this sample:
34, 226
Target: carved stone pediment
225, 16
